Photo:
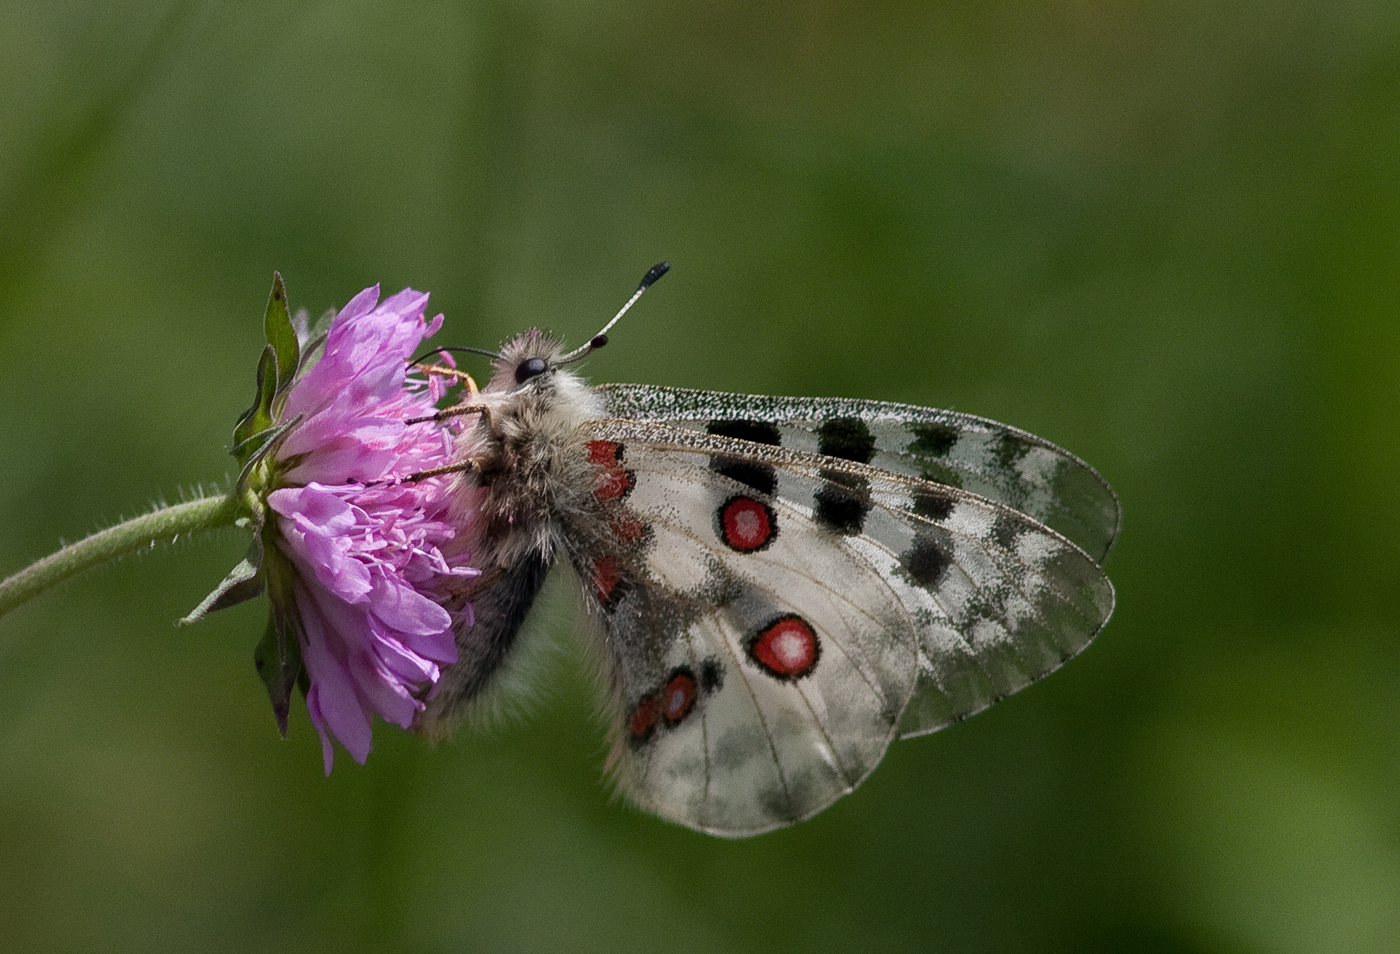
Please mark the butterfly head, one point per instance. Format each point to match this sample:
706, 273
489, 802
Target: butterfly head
533, 372
528, 362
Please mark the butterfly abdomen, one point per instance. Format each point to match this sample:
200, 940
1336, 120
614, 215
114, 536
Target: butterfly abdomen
499, 607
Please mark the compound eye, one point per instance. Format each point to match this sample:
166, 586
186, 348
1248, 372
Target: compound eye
530, 368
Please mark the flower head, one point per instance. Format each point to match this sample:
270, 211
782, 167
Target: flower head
363, 566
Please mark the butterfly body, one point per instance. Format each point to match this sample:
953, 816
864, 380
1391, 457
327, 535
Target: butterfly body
776, 587
528, 472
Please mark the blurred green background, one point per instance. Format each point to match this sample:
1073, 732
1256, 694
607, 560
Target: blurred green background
1163, 235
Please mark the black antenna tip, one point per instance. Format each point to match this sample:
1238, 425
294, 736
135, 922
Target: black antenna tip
597, 342
657, 270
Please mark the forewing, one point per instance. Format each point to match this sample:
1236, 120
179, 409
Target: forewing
884, 568
1001, 463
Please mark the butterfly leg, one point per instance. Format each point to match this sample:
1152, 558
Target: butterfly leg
462, 468
458, 411
443, 371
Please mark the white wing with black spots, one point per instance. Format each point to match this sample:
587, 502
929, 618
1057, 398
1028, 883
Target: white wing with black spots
772, 618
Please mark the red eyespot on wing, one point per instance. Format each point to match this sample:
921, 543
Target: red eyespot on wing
627, 528
642, 722
746, 524
678, 696
614, 481
668, 706
787, 647
604, 453
607, 574
614, 484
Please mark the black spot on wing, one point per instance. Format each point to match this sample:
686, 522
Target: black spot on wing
939, 474
1010, 449
776, 801
711, 674
760, 432
931, 506
842, 501
761, 477
933, 439
925, 561
847, 438
1006, 533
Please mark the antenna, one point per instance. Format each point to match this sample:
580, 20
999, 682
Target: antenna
432, 351
601, 338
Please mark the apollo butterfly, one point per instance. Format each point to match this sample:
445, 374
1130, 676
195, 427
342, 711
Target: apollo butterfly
776, 587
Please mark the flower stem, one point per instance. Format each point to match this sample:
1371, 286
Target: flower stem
138, 533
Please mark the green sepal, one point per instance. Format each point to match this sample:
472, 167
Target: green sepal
281, 335
257, 418
278, 655
255, 448
316, 331
243, 583
278, 661
277, 369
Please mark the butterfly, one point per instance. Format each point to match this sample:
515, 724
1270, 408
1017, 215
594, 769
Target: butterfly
775, 588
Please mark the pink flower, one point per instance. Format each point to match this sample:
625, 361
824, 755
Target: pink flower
377, 570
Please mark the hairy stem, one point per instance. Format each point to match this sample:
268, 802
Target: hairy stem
138, 533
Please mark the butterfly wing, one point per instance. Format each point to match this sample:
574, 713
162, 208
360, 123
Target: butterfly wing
767, 615
992, 460
755, 680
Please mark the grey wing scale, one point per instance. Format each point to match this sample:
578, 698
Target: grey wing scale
981, 456
780, 615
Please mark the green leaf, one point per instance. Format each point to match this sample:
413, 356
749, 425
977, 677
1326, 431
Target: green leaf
277, 326
257, 418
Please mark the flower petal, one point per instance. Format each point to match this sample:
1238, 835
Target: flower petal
378, 563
